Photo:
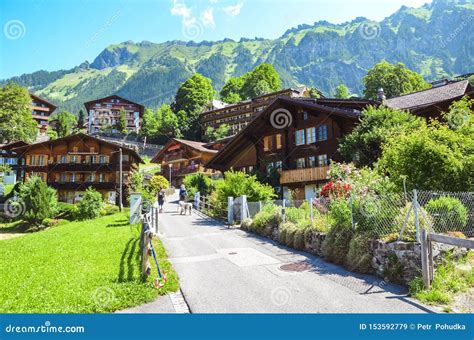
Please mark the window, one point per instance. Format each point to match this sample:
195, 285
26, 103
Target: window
312, 161
103, 159
73, 177
300, 163
94, 159
323, 160
323, 132
62, 177
305, 115
101, 178
269, 167
73, 159
278, 141
310, 135
278, 165
299, 137
63, 159
41, 160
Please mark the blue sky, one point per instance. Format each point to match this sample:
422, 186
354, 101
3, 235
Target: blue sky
60, 34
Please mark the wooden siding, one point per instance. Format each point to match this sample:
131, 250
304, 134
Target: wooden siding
304, 175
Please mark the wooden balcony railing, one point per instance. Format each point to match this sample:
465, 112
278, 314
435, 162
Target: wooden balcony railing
304, 175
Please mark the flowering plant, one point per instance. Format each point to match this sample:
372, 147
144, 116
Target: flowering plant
338, 189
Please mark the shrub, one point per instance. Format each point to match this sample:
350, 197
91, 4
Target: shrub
66, 211
157, 182
448, 213
199, 182
298, 240
321, 223
237, 183
296, 215
282, 231
40, 200
336, 243
291, 230
359, 256
110, 209
246, 224
270, 216
90, 205
49, 222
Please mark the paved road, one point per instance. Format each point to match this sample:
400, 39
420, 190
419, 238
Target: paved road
225, 270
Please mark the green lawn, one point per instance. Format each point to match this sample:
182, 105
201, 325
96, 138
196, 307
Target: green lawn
78, 267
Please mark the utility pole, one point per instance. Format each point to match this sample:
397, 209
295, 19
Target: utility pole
120, 180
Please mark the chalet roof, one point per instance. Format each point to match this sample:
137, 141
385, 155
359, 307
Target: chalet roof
81, 136
35, 97
114, 96
198, 146
12, 145
450, 91
241, 140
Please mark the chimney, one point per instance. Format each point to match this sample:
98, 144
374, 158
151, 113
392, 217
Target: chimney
381, 95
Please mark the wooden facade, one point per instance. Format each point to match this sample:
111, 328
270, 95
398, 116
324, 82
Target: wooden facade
180, 157
300, 151
104, 114
237, 116
41, 111
11, 158
74, 163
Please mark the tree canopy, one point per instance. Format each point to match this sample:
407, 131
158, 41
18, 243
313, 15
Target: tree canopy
190, 100
213, 134
16, 120
261, 80
364, 145
395, 79
63, 123
342, 92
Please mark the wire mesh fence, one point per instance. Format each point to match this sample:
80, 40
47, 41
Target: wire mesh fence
212, 208
393, 216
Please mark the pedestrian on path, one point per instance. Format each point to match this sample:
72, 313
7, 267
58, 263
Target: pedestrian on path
183, 193
161, 199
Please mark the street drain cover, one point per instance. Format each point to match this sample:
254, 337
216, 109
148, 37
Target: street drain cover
296, 267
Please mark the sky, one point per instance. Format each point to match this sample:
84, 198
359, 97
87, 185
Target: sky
60, 34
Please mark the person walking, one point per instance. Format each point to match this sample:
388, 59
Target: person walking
183, 193
161, 199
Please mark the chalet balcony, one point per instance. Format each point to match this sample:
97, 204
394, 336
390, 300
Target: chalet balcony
175, 157
304, 175
82, 185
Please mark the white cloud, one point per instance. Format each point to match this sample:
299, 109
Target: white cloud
181, 10
207, 17
233, 10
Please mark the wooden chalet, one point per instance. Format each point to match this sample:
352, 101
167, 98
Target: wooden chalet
104, 113
180, 157
298, 137
41, 111
431, 102
74, 163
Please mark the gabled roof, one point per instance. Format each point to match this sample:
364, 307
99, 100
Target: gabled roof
84, 136
39, 99
114, 96
420, 99
198, 146
241, 140
12, 145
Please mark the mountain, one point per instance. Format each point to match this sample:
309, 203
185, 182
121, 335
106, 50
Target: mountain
434, 39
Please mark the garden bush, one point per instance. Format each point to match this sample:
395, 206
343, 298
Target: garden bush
448, 213
40, 201
270, 216
90, 205
109, 209
410, 230
359, 256
283, 231
247, 224
66, 211
157, 182
298, 239
199, 183
295, 215
336, 244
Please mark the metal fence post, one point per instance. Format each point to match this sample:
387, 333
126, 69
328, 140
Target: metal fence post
259, 206
417, 218
230, 210
197, 198
157, 211
243, 208
310, 200
283, 213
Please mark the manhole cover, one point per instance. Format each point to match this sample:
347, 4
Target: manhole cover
296, 267
233, 253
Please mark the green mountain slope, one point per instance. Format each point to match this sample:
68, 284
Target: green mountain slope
434, 40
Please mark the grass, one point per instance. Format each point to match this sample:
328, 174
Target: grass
78, 267
449, 280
